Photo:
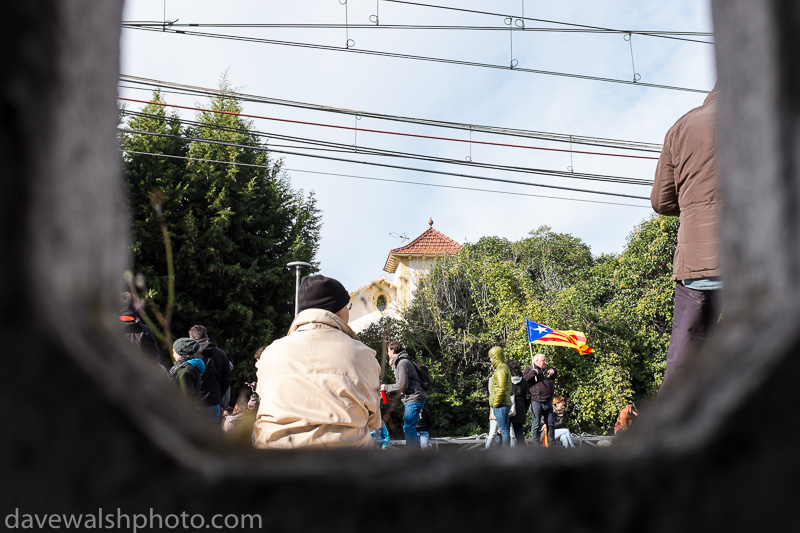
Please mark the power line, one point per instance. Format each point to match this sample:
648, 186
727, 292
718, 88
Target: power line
417, 27
414, 57
385, 132
474, 128
666, 35
349, 148
385, 165
385, 179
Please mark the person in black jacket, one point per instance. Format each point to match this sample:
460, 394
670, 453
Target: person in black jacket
521, 396
137, 332
541, 397
560, 423
424, 427
217, 377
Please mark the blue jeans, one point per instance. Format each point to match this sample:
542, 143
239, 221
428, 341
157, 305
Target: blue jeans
410, 421
501, 414
424, 437
564, 436
214, 413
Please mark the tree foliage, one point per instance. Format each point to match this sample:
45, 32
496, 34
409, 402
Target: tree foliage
479, 298
234, 227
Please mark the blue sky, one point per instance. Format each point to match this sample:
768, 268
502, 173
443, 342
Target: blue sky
359, 216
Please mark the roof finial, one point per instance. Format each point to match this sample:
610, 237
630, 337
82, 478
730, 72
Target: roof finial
430, 222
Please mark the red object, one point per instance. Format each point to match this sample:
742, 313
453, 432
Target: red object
383, 396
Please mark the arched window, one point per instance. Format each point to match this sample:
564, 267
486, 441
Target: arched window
380, 303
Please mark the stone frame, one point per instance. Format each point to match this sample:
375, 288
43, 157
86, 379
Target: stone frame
94, 432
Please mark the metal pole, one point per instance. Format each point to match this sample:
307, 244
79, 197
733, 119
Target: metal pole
298, 265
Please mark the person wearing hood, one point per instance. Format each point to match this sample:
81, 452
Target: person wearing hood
413, 396
687, 185
521, 397
217, 378
319, 384
188, 368
137, 332
500, 399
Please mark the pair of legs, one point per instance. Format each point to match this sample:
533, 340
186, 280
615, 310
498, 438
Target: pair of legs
564, 436
518, 434
694, 317
503, 424
410, 421
541, 410
493, 439
424, 437
214, 413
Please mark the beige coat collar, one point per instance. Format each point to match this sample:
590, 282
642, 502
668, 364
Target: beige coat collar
319, 319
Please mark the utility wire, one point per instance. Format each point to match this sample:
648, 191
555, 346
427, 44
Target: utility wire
384, 165
349, 148
416, 58
555, 137
651, 33
666, 35
382, 179
385, 132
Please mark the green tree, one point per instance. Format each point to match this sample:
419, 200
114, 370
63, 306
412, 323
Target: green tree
235, 222
481, 297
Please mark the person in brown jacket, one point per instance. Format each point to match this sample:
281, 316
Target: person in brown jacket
626, 417
686, 185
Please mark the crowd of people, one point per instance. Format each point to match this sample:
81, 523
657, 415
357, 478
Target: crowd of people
321, 386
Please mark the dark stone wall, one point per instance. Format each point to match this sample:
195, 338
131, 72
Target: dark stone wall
88, 424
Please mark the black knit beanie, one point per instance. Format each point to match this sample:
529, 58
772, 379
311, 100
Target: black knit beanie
319, 292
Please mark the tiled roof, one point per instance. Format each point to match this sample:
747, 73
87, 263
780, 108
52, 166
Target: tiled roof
431, 242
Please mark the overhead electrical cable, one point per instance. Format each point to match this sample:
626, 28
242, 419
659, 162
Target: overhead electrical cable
665, 35
364, 150
385, 132
474, 128
378, 53
417, 27
511, 193
385, 165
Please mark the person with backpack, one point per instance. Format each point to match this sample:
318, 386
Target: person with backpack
410, 384
217, 377
188, 368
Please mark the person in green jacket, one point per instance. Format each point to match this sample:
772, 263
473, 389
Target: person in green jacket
500, 399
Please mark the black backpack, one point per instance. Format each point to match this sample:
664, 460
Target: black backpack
423, 375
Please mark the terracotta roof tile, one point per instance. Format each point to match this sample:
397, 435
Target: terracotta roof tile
431, 242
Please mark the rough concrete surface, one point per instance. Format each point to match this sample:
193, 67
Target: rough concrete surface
86, 425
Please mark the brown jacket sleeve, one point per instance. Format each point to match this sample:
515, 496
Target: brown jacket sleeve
664, 195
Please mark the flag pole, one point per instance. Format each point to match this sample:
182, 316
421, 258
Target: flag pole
529, 339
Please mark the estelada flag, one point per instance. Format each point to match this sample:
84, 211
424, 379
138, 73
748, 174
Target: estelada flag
539, 334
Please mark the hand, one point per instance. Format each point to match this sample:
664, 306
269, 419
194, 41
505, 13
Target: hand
383, 387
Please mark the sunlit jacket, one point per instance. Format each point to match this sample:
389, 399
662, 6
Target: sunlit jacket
686, 185
500, 385
318, 386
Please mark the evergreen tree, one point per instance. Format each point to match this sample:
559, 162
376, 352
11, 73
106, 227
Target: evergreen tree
234, 227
